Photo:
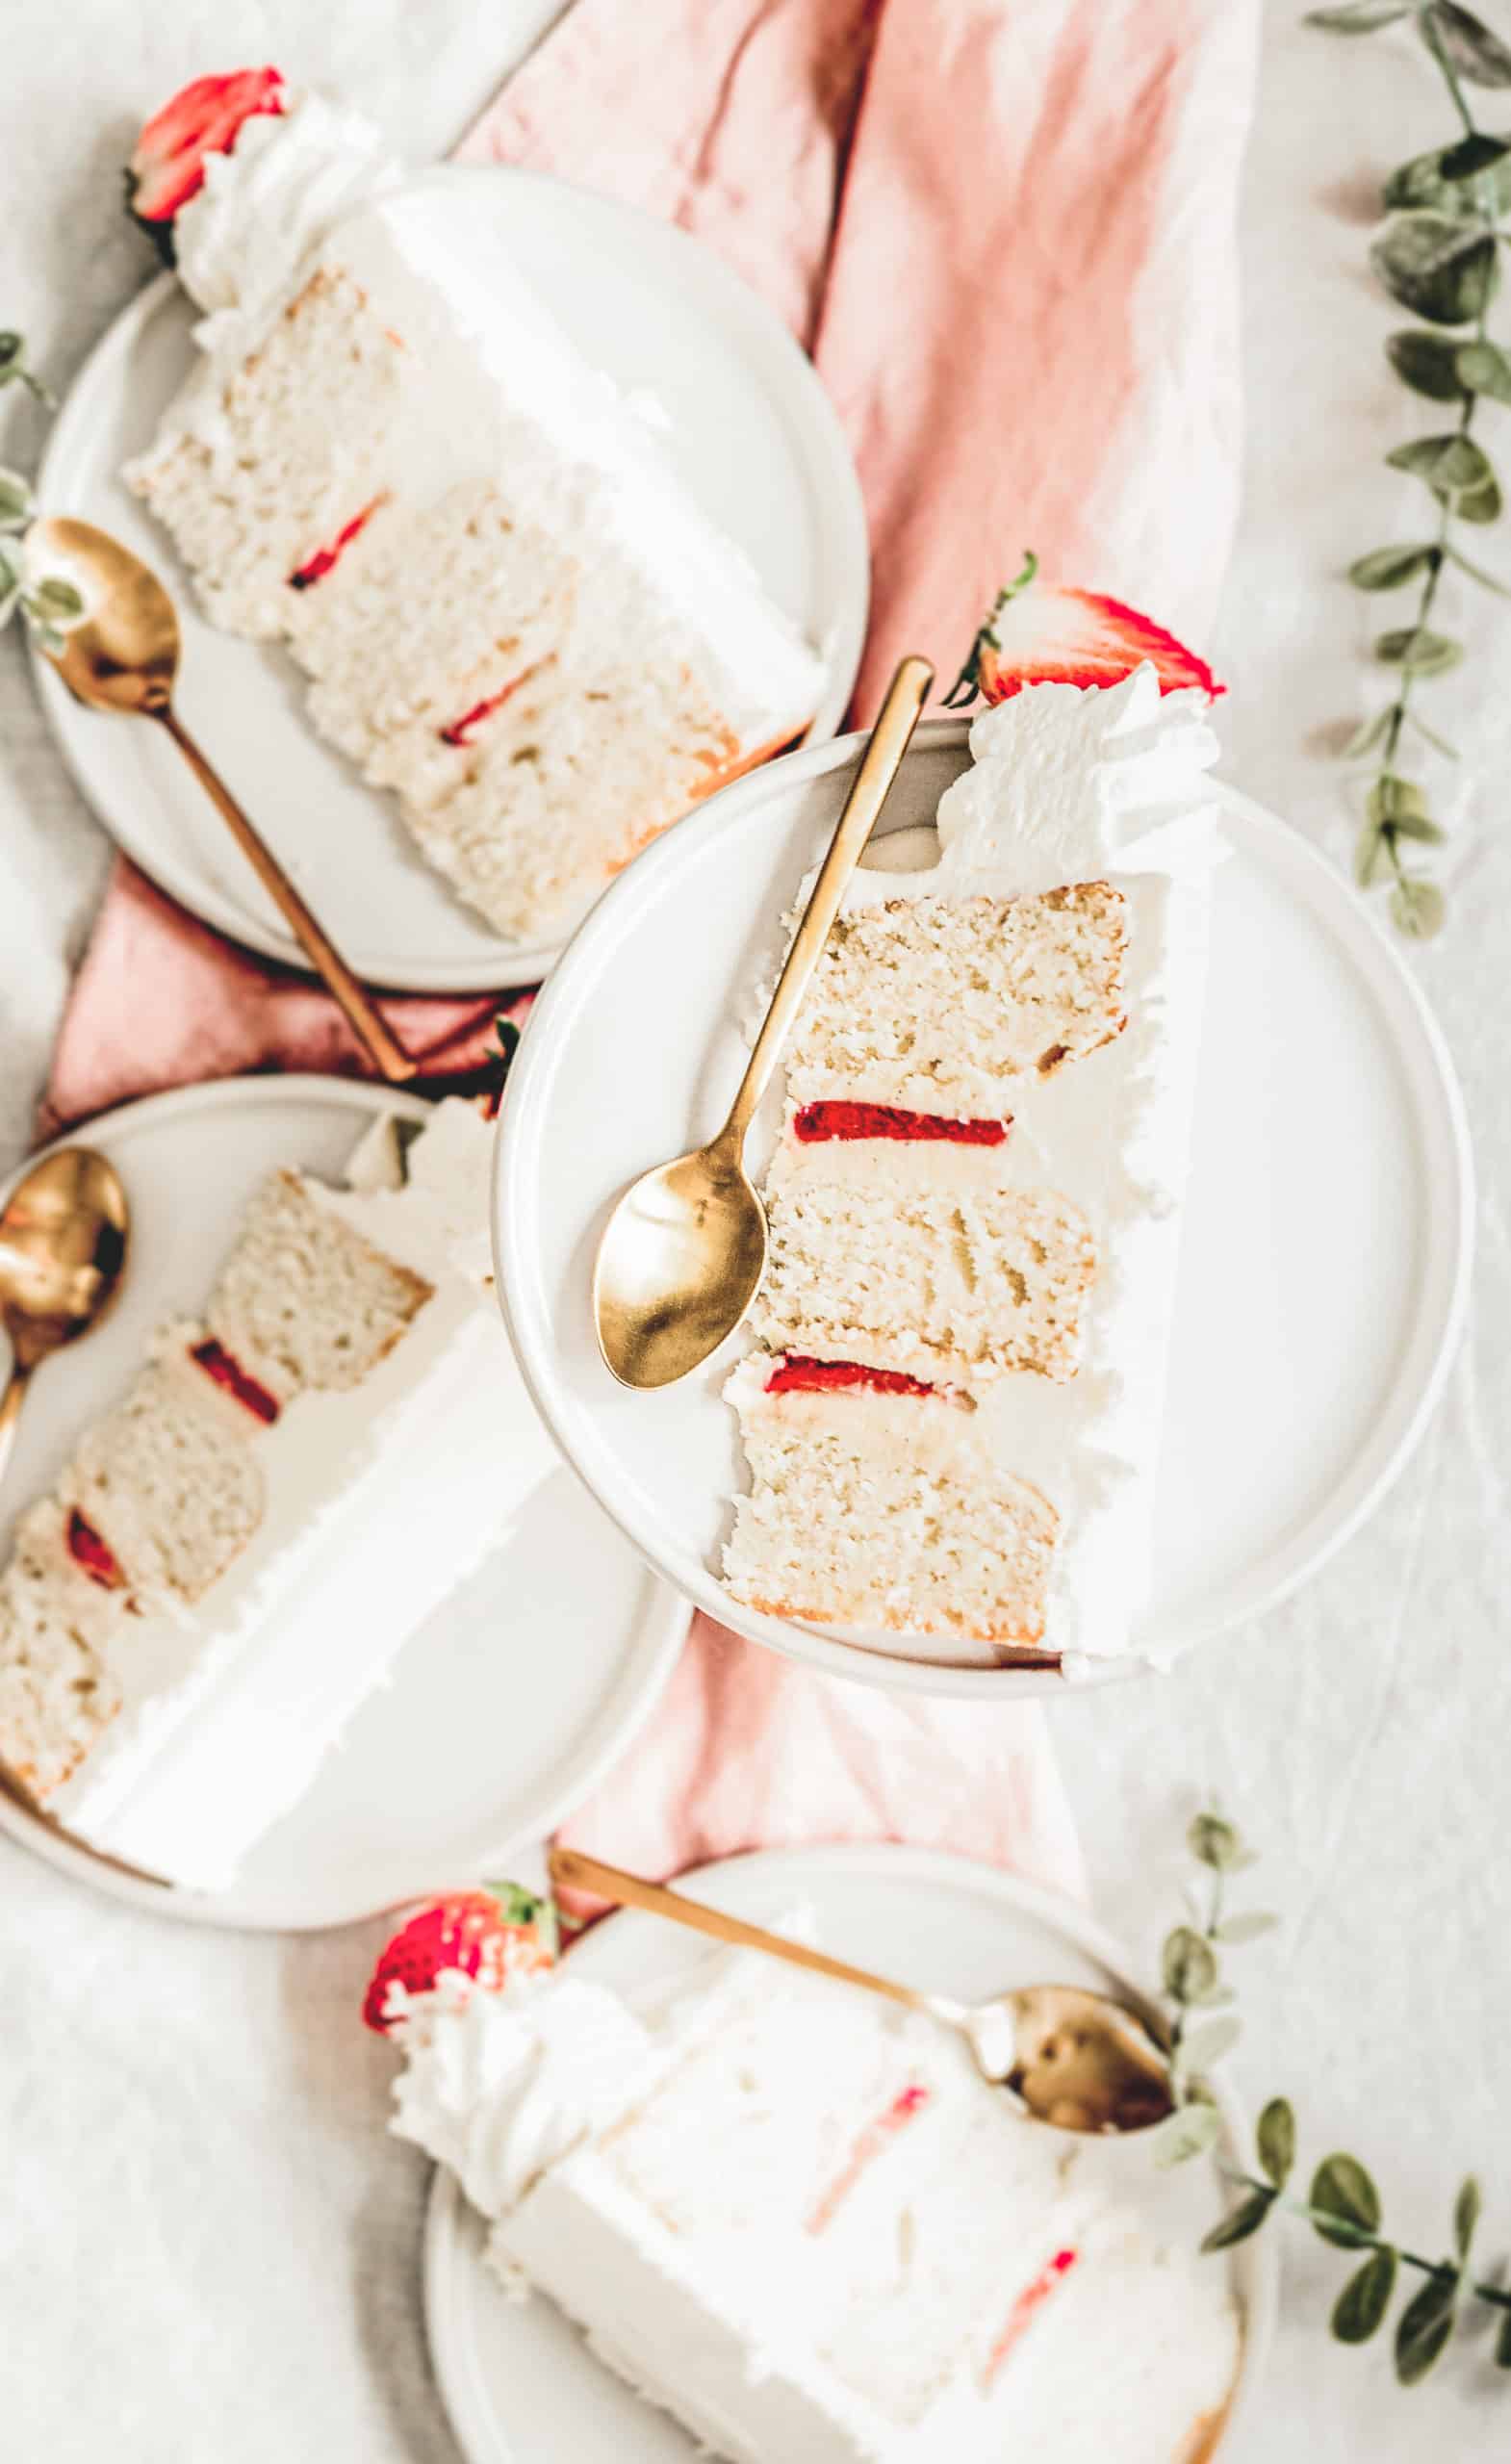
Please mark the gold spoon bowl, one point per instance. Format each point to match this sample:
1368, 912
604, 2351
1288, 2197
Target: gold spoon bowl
683, 1253
63, 1251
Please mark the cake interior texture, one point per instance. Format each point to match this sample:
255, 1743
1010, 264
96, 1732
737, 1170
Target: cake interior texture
511, 612
806, 2227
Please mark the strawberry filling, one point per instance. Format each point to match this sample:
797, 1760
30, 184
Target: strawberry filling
92, 1555
815, 1121
460, 730
902, 2110
326, 559
1030, 2300
227, 1371
797, 1375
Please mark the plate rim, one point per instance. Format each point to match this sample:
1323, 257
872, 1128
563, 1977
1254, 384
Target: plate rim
725, 1881
508, 967
1421, 1047
666, 1622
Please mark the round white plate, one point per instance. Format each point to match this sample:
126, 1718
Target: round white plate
752, 435
517, 2381
507, 1706
1324, 1256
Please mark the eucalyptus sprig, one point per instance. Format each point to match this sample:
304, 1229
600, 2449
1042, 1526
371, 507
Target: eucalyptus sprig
1439, 255
49, 603
1342, 2204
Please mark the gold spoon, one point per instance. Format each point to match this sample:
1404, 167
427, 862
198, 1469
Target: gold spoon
684, 1250
124, 657
1064, 2055
63, 1246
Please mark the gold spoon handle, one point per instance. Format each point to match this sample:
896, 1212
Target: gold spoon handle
361, 1013
905, 696
571, 1870
11, 1402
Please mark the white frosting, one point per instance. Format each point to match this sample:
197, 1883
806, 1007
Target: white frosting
1067, 785
500, 388
799, 2219
379, 1500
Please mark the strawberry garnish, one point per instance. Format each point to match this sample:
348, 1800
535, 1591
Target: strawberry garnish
491, 1933
1041, 632
167, 166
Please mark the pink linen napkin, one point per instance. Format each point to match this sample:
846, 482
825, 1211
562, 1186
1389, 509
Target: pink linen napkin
1004, 230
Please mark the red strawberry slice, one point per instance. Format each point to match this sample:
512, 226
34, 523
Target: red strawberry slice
167, 166
493, 1934
1041, 632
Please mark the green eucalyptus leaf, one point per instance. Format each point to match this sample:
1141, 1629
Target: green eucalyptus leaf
1190, 1970
1482, 504
1429, 180
12, 347
1474, 156
1439, 743
12, 562
1389, 568
1212, 1841
1424, 2326
1364, 2299
1478, 573
1189, 2131
1483, 368
1210, 2043
1248, 1925
48, 636
57, 601
1503, 2342
1418, 650
9, 602
1466, 2214
1418, 909
1480, 56
15, 499
1370, 857
1362, 19
1421, 828
1437, 265
1393, 800
1453, 466
1240, 2221
1369, 733
1274, 2136
1344, 2191
1426, 362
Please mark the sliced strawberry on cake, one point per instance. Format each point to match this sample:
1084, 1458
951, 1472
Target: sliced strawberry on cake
168, 162
1043, 632
493, 1934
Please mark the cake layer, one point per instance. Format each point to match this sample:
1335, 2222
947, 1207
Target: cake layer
393, 459
803, 2224
235, 1553
940, 1003
949, 1283
886, 1512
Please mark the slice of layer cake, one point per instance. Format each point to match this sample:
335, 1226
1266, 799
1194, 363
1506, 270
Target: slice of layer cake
232, 1556
392, 460
804, 2225
952, 1423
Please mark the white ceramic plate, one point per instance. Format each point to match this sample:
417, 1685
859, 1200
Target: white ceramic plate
754, 438
1326, 1247
518, 2382
507, 1706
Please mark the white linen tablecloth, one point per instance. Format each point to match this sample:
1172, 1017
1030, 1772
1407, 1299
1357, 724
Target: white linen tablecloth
209, 2251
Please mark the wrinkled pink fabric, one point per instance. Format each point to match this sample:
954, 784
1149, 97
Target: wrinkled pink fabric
1004, 230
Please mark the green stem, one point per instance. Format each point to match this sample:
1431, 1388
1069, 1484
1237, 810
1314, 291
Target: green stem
1498, 2295
1433, 41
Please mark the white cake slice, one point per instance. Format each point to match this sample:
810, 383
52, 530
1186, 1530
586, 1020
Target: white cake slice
803, 2224
952, 1421
391, 458
233, 1556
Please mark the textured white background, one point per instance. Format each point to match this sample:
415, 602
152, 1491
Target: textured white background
207, 2247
